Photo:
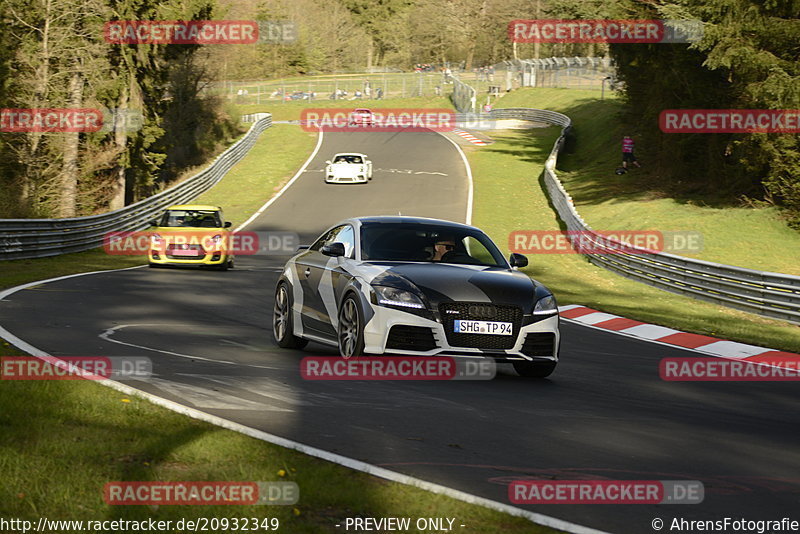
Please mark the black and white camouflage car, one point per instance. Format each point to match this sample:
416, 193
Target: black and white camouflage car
415, 286
348, 168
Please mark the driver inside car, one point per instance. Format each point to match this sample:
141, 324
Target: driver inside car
443, 246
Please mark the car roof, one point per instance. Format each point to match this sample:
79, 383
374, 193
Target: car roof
194, 207
402, 219
363, 109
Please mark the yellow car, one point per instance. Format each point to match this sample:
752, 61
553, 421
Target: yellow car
191, 234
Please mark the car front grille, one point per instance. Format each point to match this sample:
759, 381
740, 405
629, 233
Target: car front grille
480, 311
173, 248
406, 337
539, 344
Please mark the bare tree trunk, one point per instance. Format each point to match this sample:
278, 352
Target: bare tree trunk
536, 45
69, 169
117, 199
369, 55
32, 176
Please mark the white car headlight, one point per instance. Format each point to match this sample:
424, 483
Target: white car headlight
545, 305
391, 296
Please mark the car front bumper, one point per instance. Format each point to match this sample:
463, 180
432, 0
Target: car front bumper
159, 257
379, 338
346, 179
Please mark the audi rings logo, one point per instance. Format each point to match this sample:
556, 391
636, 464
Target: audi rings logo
482, 310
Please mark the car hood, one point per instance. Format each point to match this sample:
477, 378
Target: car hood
441, 282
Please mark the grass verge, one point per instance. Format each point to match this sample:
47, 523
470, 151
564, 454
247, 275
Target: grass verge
509, 196
62, 441
733, 232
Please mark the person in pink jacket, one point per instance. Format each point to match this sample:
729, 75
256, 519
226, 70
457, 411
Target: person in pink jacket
627, 152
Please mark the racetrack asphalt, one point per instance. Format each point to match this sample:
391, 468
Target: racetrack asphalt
604, 413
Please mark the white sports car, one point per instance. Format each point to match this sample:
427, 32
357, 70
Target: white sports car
348, 168
414, 286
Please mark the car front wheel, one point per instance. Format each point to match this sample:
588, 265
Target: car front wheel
351, 328
282, 320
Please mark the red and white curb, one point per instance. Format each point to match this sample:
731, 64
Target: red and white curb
469, 137
661, 334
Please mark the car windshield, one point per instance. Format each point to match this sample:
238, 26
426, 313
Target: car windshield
428, 243
347, 159
191, 219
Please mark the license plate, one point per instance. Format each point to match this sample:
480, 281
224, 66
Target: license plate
190, 252
483, 327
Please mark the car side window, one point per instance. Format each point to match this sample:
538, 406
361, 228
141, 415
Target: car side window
342, 234
326, 238
346, 236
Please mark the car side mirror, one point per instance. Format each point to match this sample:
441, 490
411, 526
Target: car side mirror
154, 222
228, 224
517, 260
328, 161
333, 249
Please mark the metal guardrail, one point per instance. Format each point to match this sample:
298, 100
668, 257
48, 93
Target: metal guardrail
768, 294
38, 238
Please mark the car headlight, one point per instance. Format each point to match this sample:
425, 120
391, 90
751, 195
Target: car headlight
545, 305
156, 240
391, 296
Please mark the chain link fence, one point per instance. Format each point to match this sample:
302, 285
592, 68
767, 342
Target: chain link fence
340, 87
565, 72
464, 96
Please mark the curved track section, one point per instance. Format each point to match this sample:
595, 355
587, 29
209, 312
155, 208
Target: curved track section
604, 413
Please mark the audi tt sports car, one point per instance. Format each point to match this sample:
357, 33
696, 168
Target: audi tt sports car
191, 235
415, 286
348, 168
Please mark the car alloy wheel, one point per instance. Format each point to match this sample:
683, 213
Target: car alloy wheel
282, 325
351, 336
